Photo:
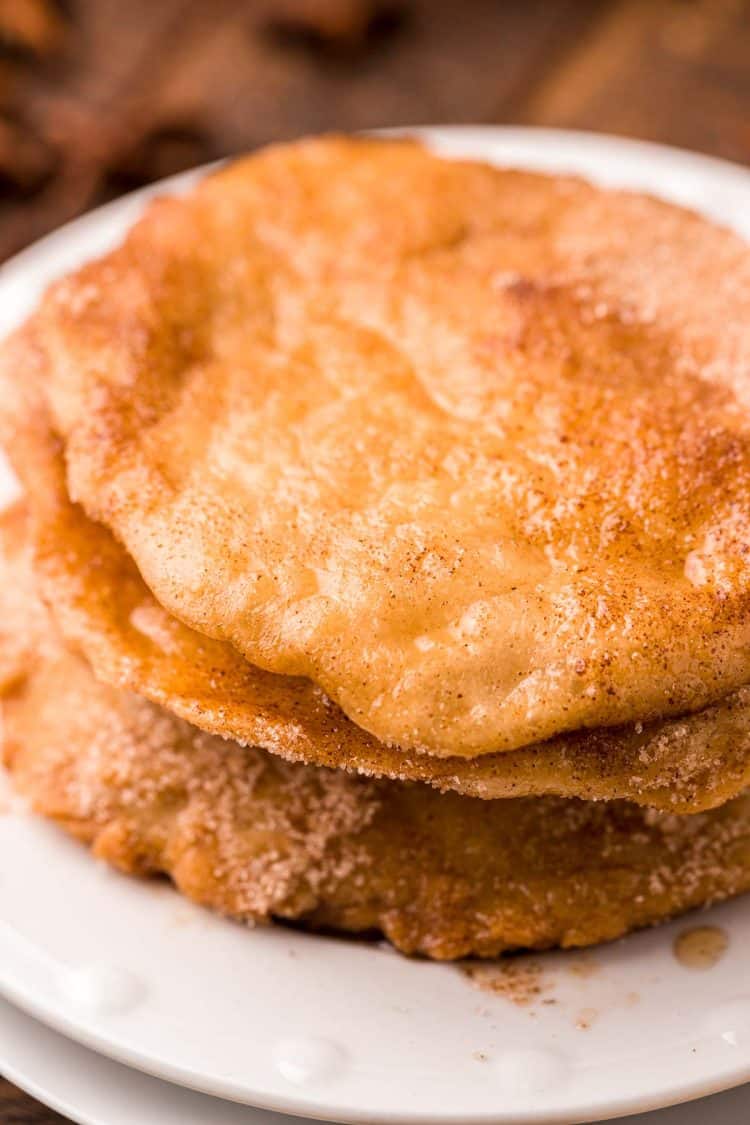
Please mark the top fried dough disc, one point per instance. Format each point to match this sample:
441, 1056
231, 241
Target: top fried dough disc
106, 611
468, 448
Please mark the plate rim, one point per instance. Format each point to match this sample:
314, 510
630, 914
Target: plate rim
25, 1078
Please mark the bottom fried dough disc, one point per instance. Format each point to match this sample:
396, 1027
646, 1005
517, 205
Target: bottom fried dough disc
257, 838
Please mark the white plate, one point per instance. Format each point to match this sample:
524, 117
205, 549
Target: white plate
93, 1090
343, 1030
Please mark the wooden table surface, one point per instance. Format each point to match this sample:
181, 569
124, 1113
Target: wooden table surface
99, 96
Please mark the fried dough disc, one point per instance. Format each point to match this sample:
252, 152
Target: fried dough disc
106, 611
468, 448
257, 838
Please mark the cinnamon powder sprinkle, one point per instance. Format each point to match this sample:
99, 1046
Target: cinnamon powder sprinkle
520, 981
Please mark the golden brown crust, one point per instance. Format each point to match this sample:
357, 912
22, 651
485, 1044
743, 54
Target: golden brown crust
255, 837
23, 620
107, 612
467, 447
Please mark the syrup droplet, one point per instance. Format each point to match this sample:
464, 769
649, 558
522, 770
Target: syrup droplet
701, 948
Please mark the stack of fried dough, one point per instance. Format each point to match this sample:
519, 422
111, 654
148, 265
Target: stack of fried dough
384, 560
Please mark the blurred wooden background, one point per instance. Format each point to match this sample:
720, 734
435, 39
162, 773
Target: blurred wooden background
100, 96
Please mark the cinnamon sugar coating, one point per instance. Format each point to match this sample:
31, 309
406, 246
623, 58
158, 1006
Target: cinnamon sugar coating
257, 838
105, 611
468, 448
